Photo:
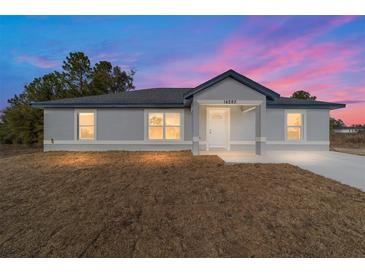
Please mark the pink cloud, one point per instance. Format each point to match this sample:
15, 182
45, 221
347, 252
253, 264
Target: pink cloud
38, 61
235, 52
295, 80
341, 20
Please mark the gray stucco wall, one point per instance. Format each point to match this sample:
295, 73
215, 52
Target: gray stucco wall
120, 124
59, 124
318, 125
128, 124
109, 147
111, 124
229, 89
317, 131
242, 125
188, 125
275, 120
202, 122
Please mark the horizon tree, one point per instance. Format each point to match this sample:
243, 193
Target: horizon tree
302, 94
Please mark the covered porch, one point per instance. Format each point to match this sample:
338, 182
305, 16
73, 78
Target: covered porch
228, 126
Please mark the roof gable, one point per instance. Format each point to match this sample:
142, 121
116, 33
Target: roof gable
238, 77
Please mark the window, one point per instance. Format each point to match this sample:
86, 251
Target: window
172, 129
86, 125
155, 126
164, 126
294, 126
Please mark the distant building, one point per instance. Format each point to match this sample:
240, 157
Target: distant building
350, 130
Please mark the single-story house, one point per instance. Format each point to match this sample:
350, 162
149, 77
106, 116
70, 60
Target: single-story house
228, 112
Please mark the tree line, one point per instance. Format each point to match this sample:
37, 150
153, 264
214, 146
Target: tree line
22, 124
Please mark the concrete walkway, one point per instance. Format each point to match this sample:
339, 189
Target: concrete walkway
346, 168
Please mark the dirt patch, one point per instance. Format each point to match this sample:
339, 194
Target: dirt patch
123, 204
15, 150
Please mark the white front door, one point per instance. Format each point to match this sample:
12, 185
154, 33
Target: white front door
217, 128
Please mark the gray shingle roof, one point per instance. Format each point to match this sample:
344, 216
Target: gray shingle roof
178, 97
286, 102
164, 97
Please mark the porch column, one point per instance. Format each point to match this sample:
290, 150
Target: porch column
260, 125
196, 137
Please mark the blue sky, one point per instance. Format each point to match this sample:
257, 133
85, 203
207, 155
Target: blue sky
322, 54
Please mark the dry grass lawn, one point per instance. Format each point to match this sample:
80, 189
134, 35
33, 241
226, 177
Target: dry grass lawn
120, 204
348, 143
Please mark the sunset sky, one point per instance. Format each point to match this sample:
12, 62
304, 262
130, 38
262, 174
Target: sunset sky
324, 55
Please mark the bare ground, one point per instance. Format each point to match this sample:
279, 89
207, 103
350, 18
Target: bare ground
11, 150
348, 143
120, 204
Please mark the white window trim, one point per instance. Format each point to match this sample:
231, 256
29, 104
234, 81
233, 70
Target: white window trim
161, 110
304, 126
76, 125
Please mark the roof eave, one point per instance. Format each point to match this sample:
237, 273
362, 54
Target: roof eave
307, 106
93, 105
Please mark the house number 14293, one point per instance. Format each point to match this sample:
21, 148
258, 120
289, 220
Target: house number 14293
231, 101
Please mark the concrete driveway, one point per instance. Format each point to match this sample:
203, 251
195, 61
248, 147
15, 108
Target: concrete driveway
346, 168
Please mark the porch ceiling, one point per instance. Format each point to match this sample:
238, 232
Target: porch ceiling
243, 107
